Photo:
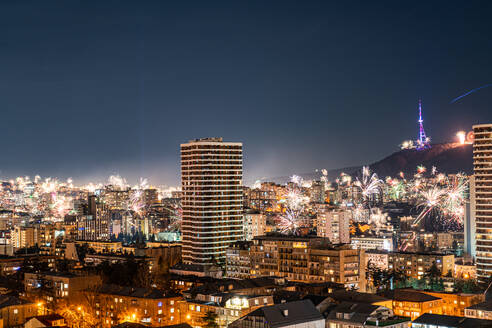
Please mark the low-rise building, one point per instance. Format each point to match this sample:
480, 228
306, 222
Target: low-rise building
238, 261
112, 304
373, 242
361, 315
465, 270
454, 304
480, 311
300, 314
14, 311
228, 306
431, 320
49, 320
416, 264
51, 285
413, 304
102, 246
377, 259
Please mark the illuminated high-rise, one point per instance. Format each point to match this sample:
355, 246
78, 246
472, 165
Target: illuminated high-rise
212, 201
482, 167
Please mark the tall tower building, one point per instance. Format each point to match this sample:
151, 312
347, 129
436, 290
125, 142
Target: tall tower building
423, 141
469, 222
482, 167
212, 201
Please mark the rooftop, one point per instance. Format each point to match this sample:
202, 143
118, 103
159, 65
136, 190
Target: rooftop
484, 306
149, 293
409, 296
287, 314
353, 296
452, 321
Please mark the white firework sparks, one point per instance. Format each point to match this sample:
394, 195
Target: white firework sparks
369, 184
378, 220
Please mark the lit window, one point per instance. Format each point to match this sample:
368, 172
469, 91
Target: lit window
159, 312
159, 304
172, 310
16, 311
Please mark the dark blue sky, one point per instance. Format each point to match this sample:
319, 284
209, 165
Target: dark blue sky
91, 88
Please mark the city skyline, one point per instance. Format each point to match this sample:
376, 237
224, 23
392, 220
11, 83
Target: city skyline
89, 99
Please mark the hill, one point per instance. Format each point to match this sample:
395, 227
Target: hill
447, 158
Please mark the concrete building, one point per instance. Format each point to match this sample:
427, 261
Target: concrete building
480, 311
469, 222
416, 264
254, 224
228, 306
308, 259
482, 167
113, 304
51, 285
431, 320
22, 237
377, 258
211, 180
14, 311
413, 304
300, 314
238, 260
372, 242
333, 224
361, 315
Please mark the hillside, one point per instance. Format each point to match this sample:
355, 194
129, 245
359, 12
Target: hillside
447, 158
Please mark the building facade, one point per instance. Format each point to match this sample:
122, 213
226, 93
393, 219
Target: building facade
415, 265
482, 167
333, 224
308, 259
212, 201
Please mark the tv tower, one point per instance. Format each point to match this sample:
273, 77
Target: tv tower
422, 142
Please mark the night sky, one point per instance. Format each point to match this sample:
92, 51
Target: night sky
93, 88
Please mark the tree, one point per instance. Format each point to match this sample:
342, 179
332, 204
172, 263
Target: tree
210, 320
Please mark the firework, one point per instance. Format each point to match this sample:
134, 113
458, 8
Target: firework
396, 188
407, 144
430, 200
369, 184
294, 203
455, 197
117, 182
378, 220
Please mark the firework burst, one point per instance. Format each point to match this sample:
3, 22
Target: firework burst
369, 184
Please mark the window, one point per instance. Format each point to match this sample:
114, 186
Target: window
16, 311
159, 304
172, 310
198, 308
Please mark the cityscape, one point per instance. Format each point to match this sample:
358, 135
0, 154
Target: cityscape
257, 225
